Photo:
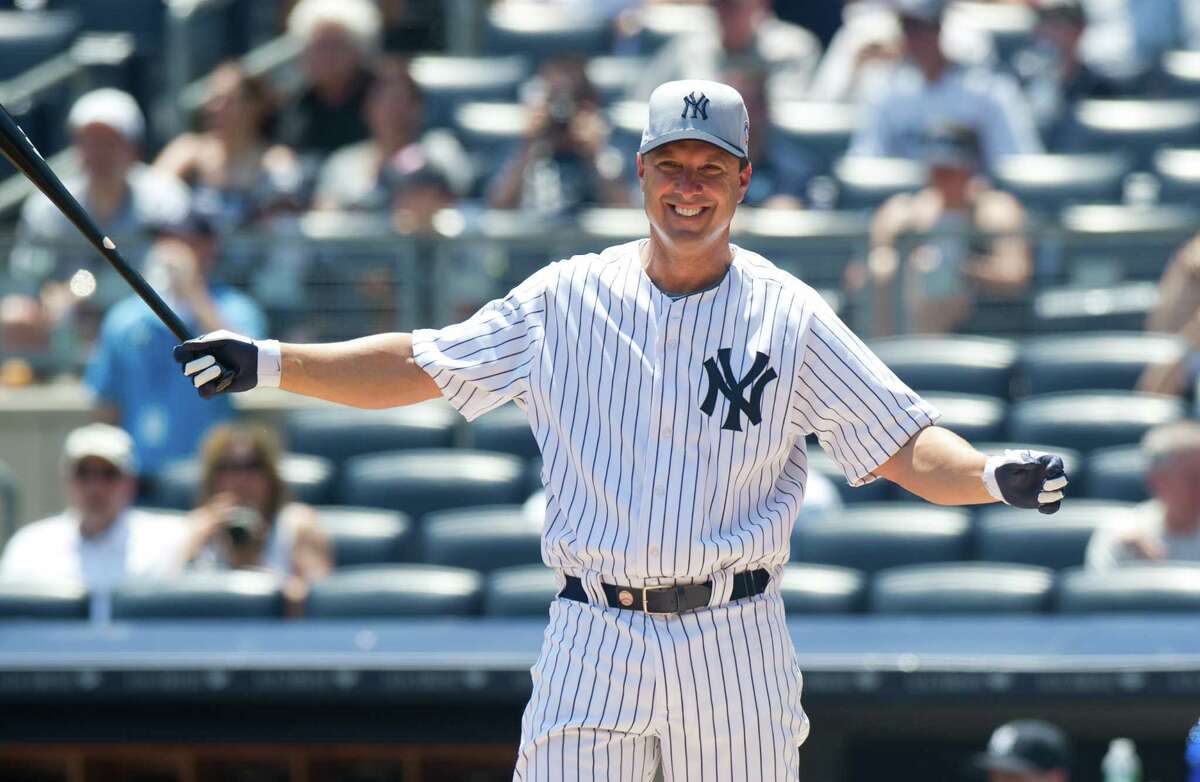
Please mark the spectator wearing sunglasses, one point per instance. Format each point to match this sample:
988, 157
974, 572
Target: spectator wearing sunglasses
245, 519
98, 540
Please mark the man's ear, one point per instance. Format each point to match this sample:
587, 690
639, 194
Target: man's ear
744, 181
641, 166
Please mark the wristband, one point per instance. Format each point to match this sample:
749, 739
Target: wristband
270, 363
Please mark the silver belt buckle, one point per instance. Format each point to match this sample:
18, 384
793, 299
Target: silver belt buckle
646, 600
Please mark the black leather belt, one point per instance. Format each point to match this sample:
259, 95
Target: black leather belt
669, 599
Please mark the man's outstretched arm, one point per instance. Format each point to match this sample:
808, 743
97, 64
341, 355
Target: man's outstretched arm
370, 372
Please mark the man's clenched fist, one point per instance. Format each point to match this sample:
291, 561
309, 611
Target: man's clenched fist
222, 361
1026, 479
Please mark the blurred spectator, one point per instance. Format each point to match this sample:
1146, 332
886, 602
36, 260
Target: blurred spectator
1167, 526
1026, 751
245, 519
565, 161
230, 163
98, 540
1055, 77
132, 377
967, 239
747, 31
780, 172
418, 194
123, 196
929, 90
354, 177
1177, 312
340, 40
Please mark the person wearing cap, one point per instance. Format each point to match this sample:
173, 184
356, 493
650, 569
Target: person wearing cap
1026, 751
930, 89
99, 540
670, 383
949, 245
123, 375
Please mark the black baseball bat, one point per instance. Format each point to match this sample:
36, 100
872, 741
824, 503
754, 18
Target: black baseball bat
15, 146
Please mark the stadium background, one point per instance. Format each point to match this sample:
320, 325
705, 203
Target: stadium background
905, 677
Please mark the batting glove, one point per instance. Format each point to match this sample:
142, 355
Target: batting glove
222, 361
1026, 479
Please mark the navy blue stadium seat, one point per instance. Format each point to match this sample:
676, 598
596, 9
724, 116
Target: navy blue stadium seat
871, 537
972, 416
525, 590
1178, 172
820, 132
1087, 421
1057, 541
368, 536
1181, 72
1104, 243
28, 38
822, 589
423, 481
962, 588
1080, 362
482, 538
541, 31
615, 76
504, 430
448, 82
1138, 127
340, 434
310, 479
490, 131
22, 600
373, 591
236, 594
954, 364
1047, 183
866, 182
144, 19
1116, 474
628, 120
1117, 307
659, 23
875, 491
1166, 587
815, 245
1009, 26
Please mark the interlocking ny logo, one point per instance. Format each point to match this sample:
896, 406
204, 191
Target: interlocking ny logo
726, 382
698, 106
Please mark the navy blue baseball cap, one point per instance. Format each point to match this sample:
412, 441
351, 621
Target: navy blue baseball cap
1026, 747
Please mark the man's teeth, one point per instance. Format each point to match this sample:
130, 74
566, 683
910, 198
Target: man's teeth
687, 212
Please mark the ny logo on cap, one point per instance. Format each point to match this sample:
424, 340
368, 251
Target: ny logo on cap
698, 106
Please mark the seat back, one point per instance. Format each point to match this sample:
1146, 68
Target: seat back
866, 182
373, 591
1117, 473
309, 478
541, 31
1081, 362
524, 590
972, 416
1058, 542
342, 434
483, 538
954, 364
448, 82
21, 600
874, 536
369, 536
235, 594
962, 588
1087, 421
504, 430
1169, 587
1047, 183
822, 589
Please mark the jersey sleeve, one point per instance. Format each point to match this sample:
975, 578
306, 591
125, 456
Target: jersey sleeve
857, 408
485, 361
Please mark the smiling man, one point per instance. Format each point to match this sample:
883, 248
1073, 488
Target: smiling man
670, 383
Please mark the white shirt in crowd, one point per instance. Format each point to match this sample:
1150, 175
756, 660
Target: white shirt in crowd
138, 544
1107, 548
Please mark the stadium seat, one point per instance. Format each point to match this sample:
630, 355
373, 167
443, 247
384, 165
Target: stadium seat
310, 479
1107, 243
1119, 307
822, 589
490, 131
1047, 183
449, 81
1166, 587
972, 416
340, 434
954, 364
10, 502
483, 539
1137, 127
1087, 421
628, 120
236, 594
1080, 362
659, 23
542, 31
1010, 26
1178, 172
373, 591
28, 38
1115, 474
615, 76
815, 245
368, 536
962, 588
526, 590
423, 481
820, 132
875, 491
21, 600
871, 537
504, 430
866, 182
1057, 541
1181, 71
146, 20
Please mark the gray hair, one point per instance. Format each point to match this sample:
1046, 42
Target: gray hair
360, 18
1168, 440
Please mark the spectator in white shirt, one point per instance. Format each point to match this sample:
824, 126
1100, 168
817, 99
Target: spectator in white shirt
1168, 526
930, 90
99, 540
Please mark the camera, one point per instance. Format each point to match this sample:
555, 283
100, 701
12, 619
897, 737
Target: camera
243, 525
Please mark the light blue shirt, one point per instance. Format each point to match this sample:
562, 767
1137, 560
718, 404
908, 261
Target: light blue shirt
132, 368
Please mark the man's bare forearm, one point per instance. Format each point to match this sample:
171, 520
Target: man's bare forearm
372, 372
941, 467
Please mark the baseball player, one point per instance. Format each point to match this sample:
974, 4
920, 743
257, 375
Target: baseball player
670, 383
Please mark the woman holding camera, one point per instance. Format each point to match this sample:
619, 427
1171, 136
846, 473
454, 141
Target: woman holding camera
245, 519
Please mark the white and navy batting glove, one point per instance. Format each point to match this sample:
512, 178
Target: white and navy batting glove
222, 361
1026, 479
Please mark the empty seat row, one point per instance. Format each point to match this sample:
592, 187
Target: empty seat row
397, 591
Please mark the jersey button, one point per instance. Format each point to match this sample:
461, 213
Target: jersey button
660, 490
652, 551
666, 433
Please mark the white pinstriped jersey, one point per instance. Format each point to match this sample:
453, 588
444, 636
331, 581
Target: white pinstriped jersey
672, 429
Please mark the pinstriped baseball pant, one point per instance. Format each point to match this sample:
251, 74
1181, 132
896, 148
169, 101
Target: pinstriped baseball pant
712, 694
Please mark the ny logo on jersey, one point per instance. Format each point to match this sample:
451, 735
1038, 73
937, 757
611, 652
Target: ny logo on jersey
698, 106
722, 379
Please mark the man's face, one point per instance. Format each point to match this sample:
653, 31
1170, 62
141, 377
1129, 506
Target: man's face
331, 57
98, 490
922, 41
391, 105
691, 190
1176, 483
104, 152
